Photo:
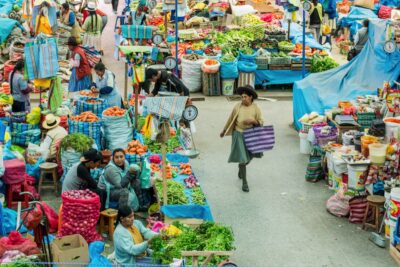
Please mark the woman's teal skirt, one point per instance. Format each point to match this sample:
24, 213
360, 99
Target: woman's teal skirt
239, 152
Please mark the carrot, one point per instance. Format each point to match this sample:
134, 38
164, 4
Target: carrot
87, 116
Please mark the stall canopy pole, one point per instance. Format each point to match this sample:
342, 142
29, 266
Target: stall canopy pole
303, 67
164, 173
176, 38
126, 81
136, 88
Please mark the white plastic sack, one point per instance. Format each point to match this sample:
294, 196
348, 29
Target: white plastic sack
69, 157
118, 131
191, 74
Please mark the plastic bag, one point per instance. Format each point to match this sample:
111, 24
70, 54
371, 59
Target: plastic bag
15, 241
191, 74
118, 131
229, 70
80, 213
338, 204
96, 259
34, 153
145, 174
248, 58
9, 221
33, 218
245, 66
52, 217
34, 169
30, 186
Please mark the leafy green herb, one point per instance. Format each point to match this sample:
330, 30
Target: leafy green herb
176, 193
320, 64
77, 141
198, 196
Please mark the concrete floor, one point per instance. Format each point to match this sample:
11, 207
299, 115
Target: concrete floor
283, 220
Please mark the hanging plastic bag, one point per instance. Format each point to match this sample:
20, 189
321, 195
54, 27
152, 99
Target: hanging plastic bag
248, 67
229, 70
145, 174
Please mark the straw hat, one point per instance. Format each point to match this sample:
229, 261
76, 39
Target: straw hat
51, 122
248, 89
91, 6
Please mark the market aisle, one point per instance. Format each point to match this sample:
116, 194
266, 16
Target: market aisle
283, 220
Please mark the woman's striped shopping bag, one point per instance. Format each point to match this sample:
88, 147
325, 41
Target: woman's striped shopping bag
259, 139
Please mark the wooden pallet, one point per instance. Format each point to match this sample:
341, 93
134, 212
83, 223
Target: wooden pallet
211, 84
299, 66
280, 67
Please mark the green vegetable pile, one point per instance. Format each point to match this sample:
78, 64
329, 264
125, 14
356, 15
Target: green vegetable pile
175, 193
320, 64
198, 196
247, 51
279, 54
79, 142
24, 261
208, 236
155, 147
254, 25
228, 57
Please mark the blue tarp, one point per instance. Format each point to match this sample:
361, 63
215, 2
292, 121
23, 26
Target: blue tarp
391, 3
296, 35
361, 76
6, 6
7, 25
270, 77
355, 17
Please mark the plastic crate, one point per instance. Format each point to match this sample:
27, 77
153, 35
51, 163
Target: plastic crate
280, 61
211, 84
363, 116
262, 63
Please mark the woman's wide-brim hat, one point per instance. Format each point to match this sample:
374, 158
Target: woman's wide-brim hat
247, 89
51, 121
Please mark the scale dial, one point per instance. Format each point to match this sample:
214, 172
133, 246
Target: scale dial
170, 63
190, 113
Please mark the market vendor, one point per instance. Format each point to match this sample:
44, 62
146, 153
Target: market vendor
131, 239
20, 88
116, 181
104, 83
55, 134
79, 177
163, 80
68, 18
245, 115
81, 71
138, 16
103, 16
42, 24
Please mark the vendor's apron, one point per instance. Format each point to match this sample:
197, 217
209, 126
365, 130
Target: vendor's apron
75, 31
113, 98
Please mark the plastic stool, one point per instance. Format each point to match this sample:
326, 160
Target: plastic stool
48, 168
111, 216
375, 203
10, 189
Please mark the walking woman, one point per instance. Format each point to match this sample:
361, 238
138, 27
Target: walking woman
245, 115
68, 18
92, 27
81, 71
20, 88
316, 18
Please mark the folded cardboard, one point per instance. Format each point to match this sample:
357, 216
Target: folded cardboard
70, 249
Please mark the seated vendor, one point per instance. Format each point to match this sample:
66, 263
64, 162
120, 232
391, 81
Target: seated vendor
164, 79
55, 134
104, 83
79, 177
117, 180
131, 239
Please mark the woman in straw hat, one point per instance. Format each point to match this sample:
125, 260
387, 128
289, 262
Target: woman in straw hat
245, 114
55, 134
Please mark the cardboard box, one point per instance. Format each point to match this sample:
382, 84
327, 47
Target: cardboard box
70, 249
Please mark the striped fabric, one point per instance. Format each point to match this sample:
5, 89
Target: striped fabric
97, 108
358, 206
169, 107
259, 139
246, 79
137, 31
92, 55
